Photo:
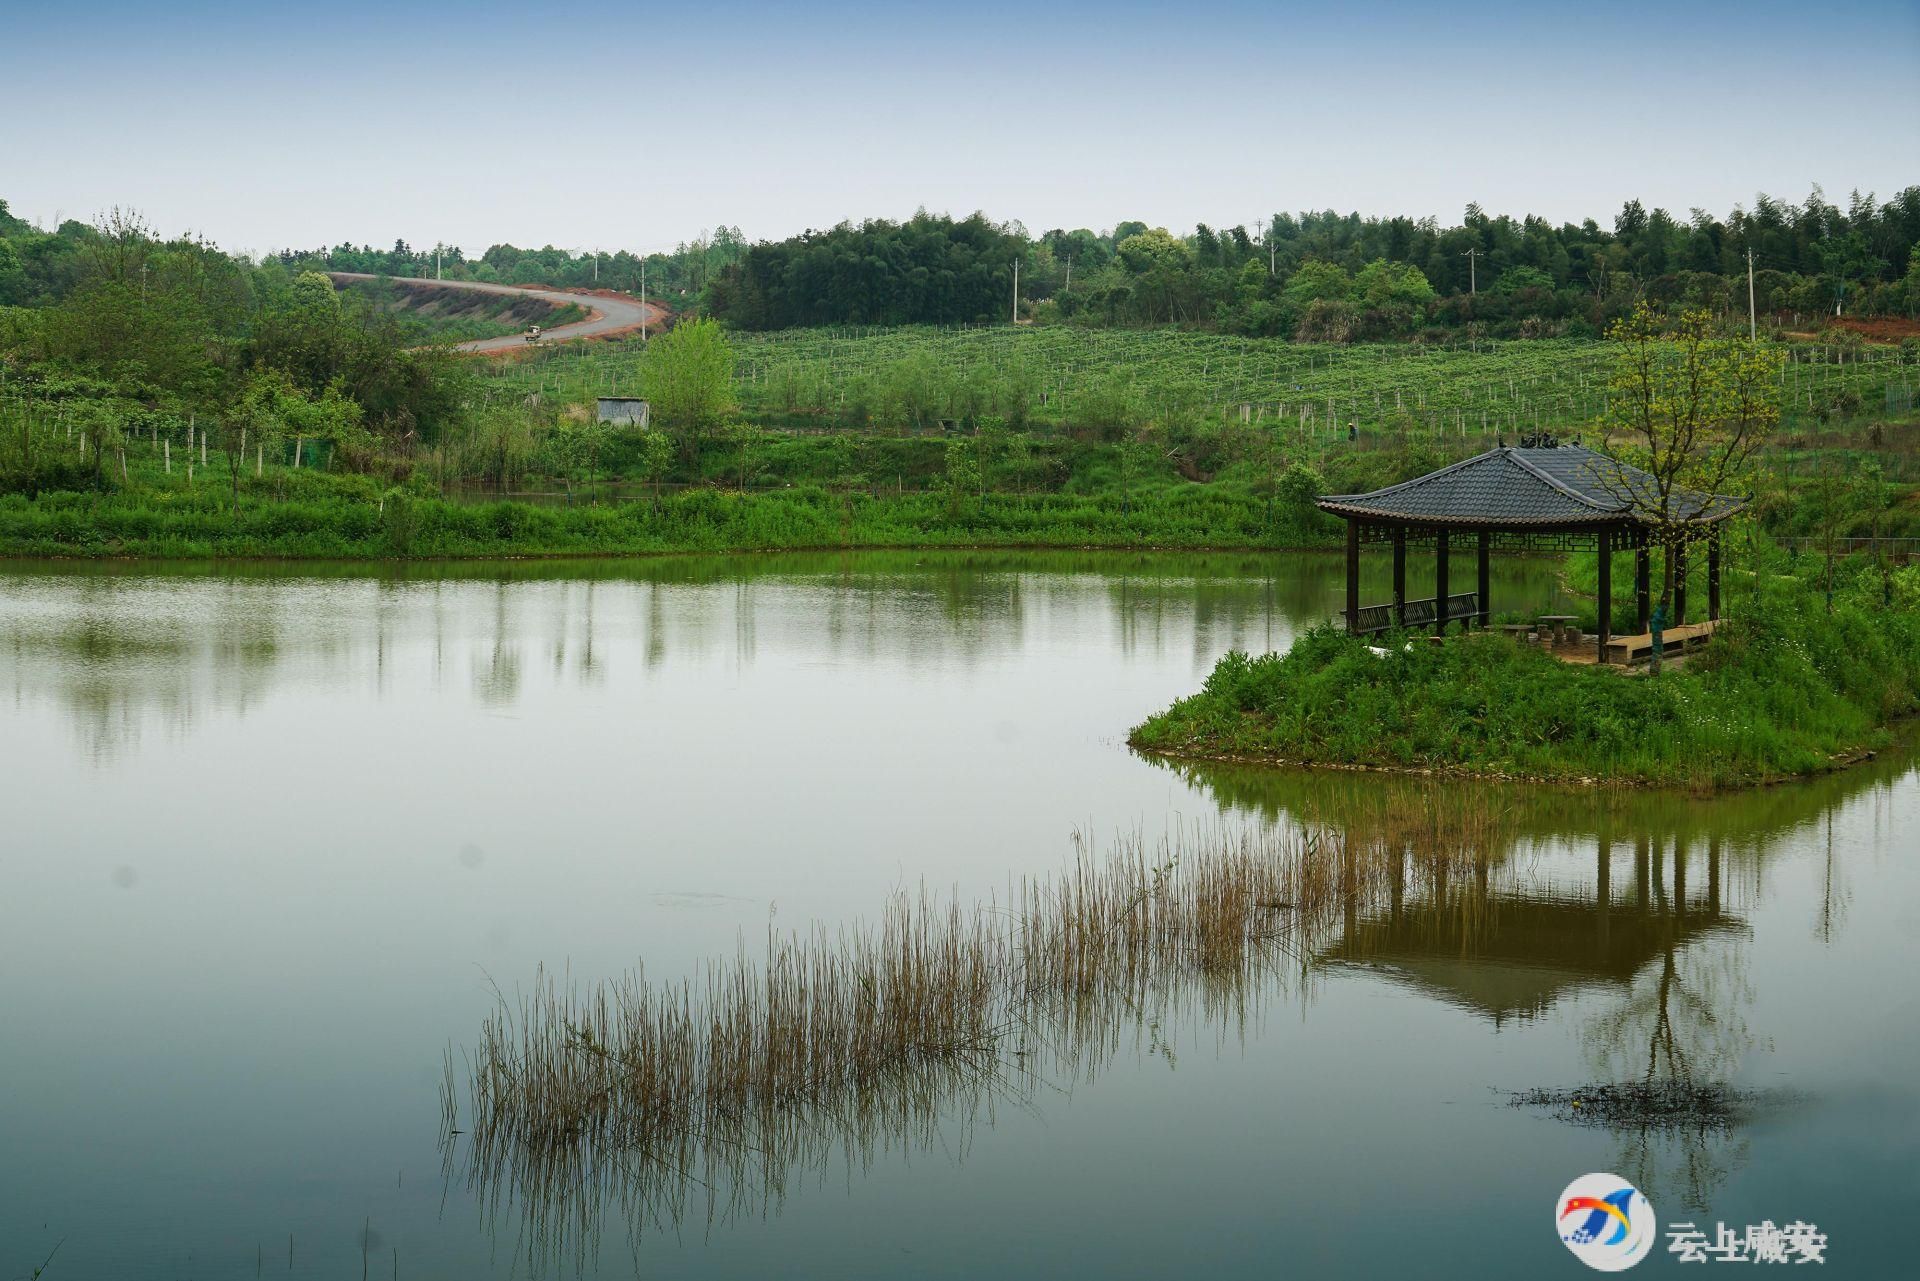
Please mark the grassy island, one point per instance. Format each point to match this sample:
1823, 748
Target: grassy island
1787, 689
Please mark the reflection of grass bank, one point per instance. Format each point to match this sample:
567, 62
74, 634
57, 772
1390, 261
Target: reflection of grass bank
1789, 690
1757, 819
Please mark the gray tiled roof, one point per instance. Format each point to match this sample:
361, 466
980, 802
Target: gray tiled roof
1558, 485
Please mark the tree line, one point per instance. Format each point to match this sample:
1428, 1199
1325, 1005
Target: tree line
680, 276
1338, 277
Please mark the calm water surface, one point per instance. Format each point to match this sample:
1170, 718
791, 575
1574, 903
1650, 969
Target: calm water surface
273, 837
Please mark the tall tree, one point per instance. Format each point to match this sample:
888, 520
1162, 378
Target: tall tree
688, 377
1688, 409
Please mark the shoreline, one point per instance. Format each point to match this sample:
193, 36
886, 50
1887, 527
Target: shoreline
1582, 783
7, 556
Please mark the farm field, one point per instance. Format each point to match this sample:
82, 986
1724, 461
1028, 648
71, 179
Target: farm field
1061, 376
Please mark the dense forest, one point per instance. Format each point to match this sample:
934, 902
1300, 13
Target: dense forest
1333, 277
1325, 277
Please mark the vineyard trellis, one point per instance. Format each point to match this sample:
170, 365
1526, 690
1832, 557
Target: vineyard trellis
1053, 376
1382, 395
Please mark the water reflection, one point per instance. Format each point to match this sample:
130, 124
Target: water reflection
1514, 955
1631, 899
664, 1106
131, 647
421, 776
1504, 904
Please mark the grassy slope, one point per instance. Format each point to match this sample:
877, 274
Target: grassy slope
807, 491
1759, 704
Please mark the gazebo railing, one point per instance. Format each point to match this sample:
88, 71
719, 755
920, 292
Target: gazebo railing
1461, 607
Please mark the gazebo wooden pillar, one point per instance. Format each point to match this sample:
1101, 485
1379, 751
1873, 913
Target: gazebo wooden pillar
1679, 554
1353, 575
1605, 566
1485, 580
1400, 576
1642, 588
1713, 574
1440, 583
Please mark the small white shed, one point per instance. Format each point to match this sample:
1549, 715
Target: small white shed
624, 409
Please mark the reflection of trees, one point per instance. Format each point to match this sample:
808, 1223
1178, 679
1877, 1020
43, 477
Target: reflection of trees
1834, 895
1680, 1027
118, 658
124, 647
496, 679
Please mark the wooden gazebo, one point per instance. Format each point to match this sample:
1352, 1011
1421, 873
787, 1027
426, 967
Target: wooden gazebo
1536, 496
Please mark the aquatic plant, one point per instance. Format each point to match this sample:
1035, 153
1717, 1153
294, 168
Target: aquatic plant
851, 1041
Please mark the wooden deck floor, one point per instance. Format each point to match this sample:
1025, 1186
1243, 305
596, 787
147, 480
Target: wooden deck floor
1675, 642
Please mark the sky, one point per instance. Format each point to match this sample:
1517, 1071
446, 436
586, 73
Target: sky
639, 126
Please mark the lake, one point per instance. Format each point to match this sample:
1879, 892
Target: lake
279, 838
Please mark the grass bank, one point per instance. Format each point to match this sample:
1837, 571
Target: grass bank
336, 523
1785, 691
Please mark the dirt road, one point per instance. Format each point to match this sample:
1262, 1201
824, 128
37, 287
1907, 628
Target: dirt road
610, 313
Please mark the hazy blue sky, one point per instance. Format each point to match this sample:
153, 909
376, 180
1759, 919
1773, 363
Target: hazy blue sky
638, 125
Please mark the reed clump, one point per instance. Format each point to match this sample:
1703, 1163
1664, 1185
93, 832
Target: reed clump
896, 1033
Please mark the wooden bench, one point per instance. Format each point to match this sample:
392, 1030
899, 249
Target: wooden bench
1627, 650
1373, 619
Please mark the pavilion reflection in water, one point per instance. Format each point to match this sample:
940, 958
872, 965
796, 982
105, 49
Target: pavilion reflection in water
1511, 954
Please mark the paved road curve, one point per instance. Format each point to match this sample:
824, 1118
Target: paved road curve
607, 315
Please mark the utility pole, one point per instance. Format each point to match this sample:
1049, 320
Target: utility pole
1753, 323
643, 297
436, 262
1473, 286
1016, 291
1068, 287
